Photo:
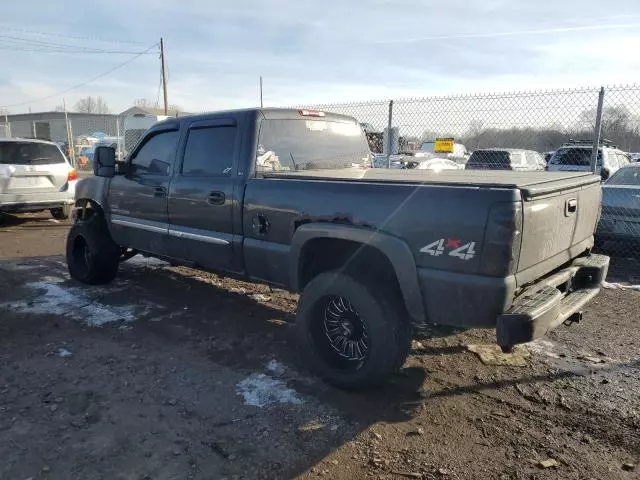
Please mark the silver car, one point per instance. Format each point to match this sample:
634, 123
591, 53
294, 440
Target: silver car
620, 219
34, 176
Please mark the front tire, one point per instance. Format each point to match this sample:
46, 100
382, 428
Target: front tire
353, 333
61, 213
92, 256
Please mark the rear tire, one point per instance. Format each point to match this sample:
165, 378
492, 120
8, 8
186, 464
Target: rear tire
61, 213
353, 333
92, 256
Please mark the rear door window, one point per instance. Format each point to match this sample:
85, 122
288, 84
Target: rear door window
26, 153
574, 156
209, 151
490, 159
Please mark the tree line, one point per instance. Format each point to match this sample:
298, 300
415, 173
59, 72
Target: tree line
619, 126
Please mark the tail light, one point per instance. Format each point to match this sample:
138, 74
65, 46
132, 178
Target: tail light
503, 238
311, 113
73, 175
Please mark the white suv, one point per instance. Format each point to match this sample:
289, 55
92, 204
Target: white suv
575, 156
35, 176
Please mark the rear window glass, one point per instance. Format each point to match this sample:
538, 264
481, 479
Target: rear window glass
25, 153
625, 176
295, 145
489, 159
580, 157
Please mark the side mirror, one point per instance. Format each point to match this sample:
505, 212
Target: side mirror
104, 162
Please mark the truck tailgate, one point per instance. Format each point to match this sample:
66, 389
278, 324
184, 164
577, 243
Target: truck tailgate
559, 220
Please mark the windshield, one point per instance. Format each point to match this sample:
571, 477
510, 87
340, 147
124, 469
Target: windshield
574, 156
25, 153
625, 176
294, 145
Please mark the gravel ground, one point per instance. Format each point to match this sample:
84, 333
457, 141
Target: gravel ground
171, 373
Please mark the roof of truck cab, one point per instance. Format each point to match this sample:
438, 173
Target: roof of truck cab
269, 113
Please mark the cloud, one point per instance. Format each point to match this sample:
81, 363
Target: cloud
311, 52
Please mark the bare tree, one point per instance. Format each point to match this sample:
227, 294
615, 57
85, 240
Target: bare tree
4, 111
58, 108
91, 105
143, 103
146, 103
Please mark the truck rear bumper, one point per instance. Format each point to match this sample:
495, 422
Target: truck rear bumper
552, 301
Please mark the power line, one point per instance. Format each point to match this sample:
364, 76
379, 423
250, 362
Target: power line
69, 52
54, 47
120, 65
65, 35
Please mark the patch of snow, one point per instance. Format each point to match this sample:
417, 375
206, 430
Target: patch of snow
55, 299
49, 279
543, 347
142, 261
260, 390
19, 266
64, 353
276, 367
620, 286
260, 297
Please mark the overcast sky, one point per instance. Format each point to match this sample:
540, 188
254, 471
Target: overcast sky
311, 51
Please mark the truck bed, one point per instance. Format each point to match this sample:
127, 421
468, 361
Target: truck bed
531, 184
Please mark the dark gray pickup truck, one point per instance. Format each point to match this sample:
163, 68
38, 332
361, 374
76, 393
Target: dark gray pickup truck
286, 197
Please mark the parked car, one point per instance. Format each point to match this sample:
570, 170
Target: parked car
505, 159
281, 196
437, 164
575, 156
34, 176
428, 148
85, 157
635, 157
547, 156
620, 218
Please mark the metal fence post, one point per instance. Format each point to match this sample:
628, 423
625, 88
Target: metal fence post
118, 147
389, 139
597, 133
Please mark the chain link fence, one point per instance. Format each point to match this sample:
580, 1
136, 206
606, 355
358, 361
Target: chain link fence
76, 133
551, 130
529, 130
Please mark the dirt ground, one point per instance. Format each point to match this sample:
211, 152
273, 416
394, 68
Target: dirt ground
170, 373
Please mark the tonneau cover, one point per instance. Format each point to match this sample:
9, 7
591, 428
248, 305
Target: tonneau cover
531, 184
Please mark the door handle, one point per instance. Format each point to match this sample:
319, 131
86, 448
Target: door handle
216, 198
160, 192
571, 207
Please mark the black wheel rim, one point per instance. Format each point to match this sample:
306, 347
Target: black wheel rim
340, 334
82, 255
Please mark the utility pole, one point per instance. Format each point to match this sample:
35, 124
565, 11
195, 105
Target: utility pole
164, 76
260, 91
69, 135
